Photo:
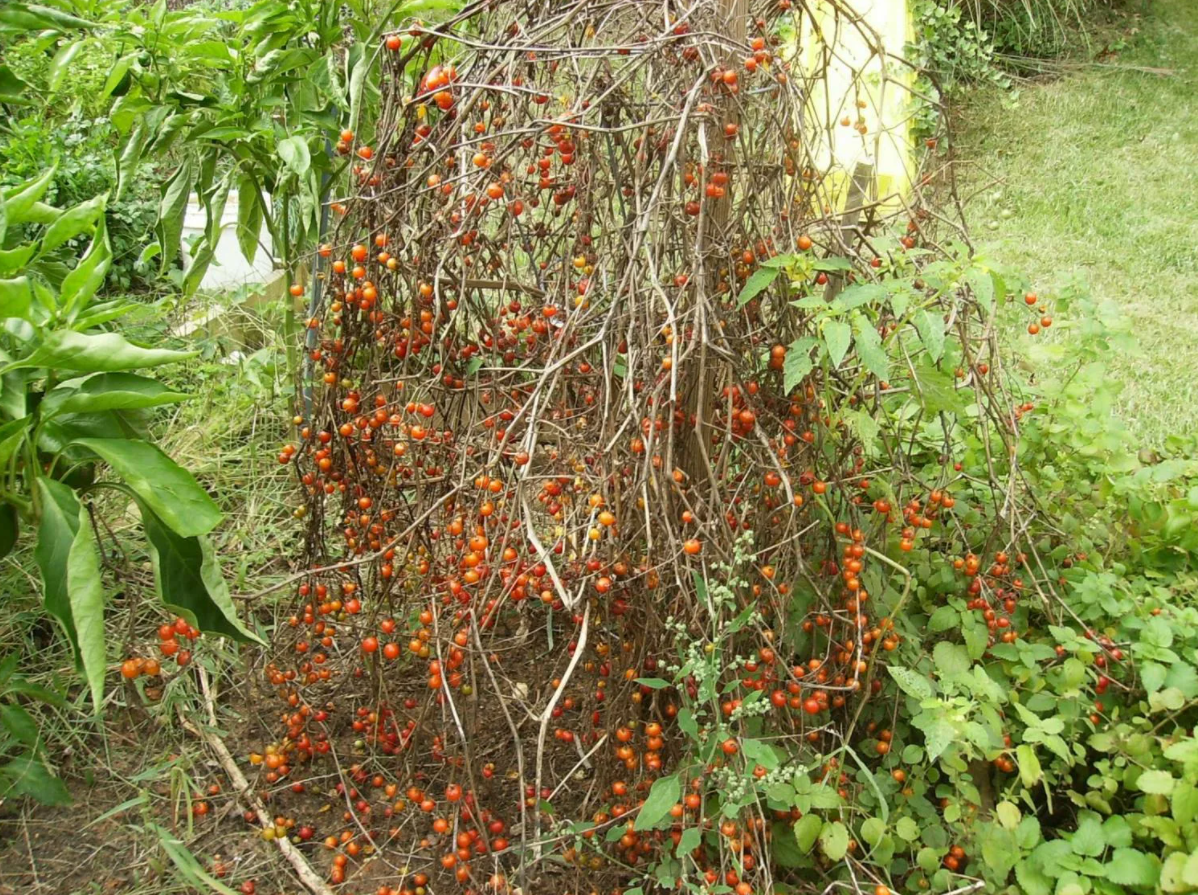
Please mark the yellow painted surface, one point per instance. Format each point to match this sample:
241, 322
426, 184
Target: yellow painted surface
862, 80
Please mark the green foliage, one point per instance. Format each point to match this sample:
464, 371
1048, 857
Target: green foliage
24, 762
71, 401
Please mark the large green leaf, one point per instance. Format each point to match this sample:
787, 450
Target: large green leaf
27, 776
798, 362
15, 297
19, 724
938, 391
931, 332
171, 210
61, 63
81, 284
74, 221
101, 353
249, 217
295, 155
11, 434
757, 283
664, 795
834, 839
189, 581
55, 534
838, 335
107, 391
85, 590
21, 18
10, 528
165, 486
20, 199
13, 91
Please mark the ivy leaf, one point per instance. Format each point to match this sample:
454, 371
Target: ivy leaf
664, 795
834, 840
798, 362
757, 283
931, 333
838, 335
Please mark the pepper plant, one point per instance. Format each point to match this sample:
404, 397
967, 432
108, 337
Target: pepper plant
74, 409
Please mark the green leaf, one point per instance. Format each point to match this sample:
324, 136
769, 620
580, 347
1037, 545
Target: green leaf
870, 350
249, 217
55, 534
872, 830
910, 682
653, 683
931, 333
167, 488
757, 283
86, 593
950, 659
691, 838
832, 264
105, 352
1088, 840
665, 794
907, 829
24, 17
185, 862
1130, 867
294, 153
80, 285
943, 619
172, 208
780, 261
937, 391
19, 724
807, 829
74, 221
10, 528
61, 63
15, 298
860, 294
797, 363
107, 391
1029, 764
1008, 814
838, 335
834, 840
937, 737
1157, 782
19, 200
13, 91
27, 776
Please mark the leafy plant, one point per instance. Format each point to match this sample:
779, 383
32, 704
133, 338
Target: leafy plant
24, 767
71, 401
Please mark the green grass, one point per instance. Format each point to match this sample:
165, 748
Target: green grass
1093, 174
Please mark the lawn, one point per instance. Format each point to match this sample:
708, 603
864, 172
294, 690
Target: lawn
1091, 172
